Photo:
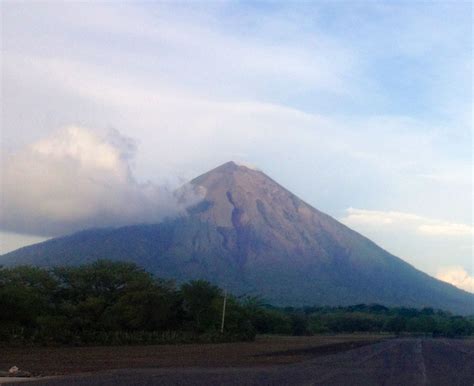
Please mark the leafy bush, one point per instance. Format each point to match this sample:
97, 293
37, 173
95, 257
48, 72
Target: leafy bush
115, 303
112, 303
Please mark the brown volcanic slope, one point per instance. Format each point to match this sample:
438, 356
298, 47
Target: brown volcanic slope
253, 236
264, 215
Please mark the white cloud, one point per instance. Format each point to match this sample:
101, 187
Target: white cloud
11, 241
409, 221
77, 179
446, 229
190, 49
425, 242
458, 276
381, 160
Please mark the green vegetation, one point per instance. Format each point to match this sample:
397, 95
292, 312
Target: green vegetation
376, 318
119, 303
112, 303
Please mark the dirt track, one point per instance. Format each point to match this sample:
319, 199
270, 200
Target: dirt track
392, 362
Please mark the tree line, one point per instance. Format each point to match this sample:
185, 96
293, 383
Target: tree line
109, 302
376, 318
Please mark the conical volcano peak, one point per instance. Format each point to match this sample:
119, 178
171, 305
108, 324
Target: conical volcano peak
228, 173
237, 196
245, 166
227, 167
231, 167
233, 178
251, 235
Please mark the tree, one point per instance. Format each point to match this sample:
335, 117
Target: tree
25, 295
396, 324
155, 307
202, 304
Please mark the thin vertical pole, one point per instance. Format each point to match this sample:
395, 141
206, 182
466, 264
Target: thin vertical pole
223, 311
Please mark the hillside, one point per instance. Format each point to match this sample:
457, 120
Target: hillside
252, 236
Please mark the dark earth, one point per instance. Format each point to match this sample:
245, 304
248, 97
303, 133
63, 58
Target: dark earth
269, 361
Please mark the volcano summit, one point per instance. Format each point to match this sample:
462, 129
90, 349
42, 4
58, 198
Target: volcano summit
252, 236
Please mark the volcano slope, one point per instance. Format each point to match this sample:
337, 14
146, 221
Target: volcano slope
252, 236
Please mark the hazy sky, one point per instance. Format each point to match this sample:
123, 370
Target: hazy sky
363, 109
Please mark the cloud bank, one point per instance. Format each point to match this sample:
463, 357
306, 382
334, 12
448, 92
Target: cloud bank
77, 179
427, 243
457, 276
422, 225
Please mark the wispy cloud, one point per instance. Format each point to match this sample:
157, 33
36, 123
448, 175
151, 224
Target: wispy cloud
409, 221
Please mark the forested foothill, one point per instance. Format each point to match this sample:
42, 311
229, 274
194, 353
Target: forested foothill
110, 303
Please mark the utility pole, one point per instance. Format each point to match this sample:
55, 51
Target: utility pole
223, 311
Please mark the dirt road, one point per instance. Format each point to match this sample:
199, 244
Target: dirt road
392, 362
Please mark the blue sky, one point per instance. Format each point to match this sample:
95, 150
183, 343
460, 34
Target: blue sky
363, 109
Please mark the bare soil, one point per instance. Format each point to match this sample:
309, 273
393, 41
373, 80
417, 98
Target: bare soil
266, 350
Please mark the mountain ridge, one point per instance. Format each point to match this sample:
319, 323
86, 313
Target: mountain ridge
252, 235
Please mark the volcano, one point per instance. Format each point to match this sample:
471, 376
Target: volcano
252, 236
